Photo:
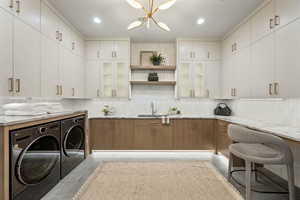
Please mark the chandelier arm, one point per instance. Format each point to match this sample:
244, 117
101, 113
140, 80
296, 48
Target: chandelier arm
155, 10
154, 21
152, 2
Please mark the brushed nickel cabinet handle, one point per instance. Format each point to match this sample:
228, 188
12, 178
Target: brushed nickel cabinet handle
57, 90
208, 55
276, 88
60, 37
18, 83
277, 20
73, 45
61, 90
116, 55
18, 2
11, 4
270, 89
98, 93
208, 93
73, 92
98, 54
235, 92
271, 23
11, 84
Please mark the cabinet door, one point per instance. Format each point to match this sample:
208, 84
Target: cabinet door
243, 70
121, 79
198, 77
123, 136
152, 135
243, 36
27, 55
186, 50
92, 79
200, 51
6, 52
261, 21
66, 37
287, 10
66, 63
8, 5
213, 52
212, 79
228, 76
92, 50
50, 68
102, 132
49, 23
78, 77
263, 67
287, 64
107, 78
106, 50
30, 12
194, 134
121, 49
185, 80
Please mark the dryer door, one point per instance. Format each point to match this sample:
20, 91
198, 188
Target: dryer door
73, 143
37, 161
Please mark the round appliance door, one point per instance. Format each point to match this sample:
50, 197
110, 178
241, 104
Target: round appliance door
37, 161
73, 144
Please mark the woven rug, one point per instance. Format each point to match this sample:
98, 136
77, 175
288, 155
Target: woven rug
178, 180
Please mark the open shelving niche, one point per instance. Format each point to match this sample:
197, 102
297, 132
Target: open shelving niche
139, 77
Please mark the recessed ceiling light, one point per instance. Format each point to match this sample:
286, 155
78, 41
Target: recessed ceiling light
97, 20
200, 21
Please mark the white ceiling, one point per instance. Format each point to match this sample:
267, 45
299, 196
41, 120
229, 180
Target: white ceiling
220, 15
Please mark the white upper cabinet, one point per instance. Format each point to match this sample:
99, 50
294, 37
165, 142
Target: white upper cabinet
6, 52
92, 79
122, 49
263, 72
92, 50
50, 23
199, 51
286, 11
186, 50
212, 52
228, 77
30, 12
106, 50
51, 84
8, 5
287, 61
66, 70
212, 79
27, 71
242, 36
263, 22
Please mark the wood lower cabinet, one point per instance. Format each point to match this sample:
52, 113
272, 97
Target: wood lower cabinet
223, 140
151, 134
194, 134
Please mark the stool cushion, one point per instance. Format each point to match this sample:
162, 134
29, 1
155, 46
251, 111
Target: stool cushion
253, 150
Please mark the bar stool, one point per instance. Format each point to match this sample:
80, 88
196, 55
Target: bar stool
261, 148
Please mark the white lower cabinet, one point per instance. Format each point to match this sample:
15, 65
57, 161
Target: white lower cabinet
115, 79
6, 52
27, 60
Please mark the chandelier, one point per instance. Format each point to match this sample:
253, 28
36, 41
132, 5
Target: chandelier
149, 13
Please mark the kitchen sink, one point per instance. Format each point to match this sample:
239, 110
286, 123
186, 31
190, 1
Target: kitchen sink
150, 116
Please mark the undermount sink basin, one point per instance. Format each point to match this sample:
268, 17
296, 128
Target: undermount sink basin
149, 115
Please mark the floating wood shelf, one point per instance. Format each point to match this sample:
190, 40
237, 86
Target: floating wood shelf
167, 67
171, 83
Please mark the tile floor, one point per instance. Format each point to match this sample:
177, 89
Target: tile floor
69, 186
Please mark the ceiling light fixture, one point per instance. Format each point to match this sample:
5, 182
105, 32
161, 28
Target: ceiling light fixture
200, 21
97, 20
149, 14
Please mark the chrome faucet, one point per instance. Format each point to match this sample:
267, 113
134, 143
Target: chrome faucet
153, 108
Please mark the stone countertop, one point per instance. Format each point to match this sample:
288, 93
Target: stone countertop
13, 120
288, 132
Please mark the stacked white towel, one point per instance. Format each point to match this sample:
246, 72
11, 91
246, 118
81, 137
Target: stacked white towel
32, 109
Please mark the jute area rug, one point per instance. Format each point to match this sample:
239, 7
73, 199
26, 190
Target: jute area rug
178, 180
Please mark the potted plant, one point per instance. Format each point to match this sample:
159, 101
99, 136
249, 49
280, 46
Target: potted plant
157, 59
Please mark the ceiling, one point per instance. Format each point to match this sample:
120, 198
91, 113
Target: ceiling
116, 15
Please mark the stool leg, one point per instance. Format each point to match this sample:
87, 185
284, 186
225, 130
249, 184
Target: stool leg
248, 180
291, 179
229, 167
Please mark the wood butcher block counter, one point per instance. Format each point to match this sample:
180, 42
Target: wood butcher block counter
8, 124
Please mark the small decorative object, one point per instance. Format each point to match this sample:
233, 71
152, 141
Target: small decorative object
107, 110
157, 59
145, 57
153, 77
174, 111
223, 110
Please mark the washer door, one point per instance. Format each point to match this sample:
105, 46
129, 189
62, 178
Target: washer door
37, 161
73, 144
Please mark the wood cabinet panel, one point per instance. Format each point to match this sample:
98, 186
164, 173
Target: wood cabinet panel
123, 136
223, 140
152, 135
194, 134
101, 131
